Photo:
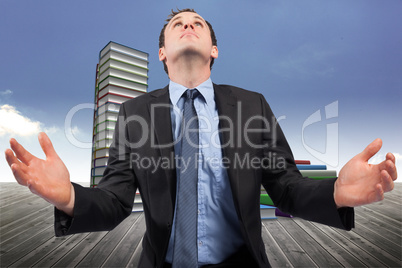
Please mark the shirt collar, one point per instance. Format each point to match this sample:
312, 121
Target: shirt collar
206, 89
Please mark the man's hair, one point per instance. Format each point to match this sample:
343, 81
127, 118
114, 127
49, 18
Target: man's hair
170, 16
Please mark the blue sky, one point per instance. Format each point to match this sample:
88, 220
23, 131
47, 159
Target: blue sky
301, 55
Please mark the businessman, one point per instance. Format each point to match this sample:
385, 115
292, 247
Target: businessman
198, 153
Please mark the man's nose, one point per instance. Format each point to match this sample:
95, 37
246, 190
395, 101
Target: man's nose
189, 25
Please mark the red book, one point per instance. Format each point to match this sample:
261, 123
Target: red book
302, 162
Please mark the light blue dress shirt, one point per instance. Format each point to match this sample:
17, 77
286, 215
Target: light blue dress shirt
218, 230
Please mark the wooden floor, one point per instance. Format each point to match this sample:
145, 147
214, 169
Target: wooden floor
27, 238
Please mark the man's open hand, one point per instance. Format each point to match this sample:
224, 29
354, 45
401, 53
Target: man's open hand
361, 183
48, 178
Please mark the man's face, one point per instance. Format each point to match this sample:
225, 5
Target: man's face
187, 33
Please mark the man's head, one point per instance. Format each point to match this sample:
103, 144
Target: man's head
174, 17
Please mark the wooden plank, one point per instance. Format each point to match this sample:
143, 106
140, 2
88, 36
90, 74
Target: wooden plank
379, 240
13, 213
308, 244
292, 250
21, 238
19, 227
98, 255
397, 191
9, 198
15, 239
135, 258
389, 232
382, 219
121, 255
393, 197
23, 249
276, 257
40, 252
73, 257
367, 252
330, 244
8, 186
54, 254
388, 208
15, 204
376, 242
10, 191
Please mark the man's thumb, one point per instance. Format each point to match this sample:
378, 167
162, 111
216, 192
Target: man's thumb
46, 145
371, 150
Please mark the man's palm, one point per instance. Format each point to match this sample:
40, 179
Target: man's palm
360, 183
48, 178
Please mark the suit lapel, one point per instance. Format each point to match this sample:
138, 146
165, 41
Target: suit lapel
226, 104
159, 110
229, 126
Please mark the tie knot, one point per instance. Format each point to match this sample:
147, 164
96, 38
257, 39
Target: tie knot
192, 93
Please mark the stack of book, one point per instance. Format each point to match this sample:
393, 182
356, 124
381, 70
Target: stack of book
121, 74
317, 172
137, 206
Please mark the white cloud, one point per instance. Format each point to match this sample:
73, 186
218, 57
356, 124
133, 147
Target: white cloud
51, 130
75, 130
398, 156
381, 157
6, 92
13, 123
77, 160
378, 158
398, 160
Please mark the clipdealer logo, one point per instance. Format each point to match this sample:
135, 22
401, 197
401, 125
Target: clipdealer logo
246, 161
330, 155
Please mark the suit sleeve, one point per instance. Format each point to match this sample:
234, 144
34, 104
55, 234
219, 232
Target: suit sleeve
104, 207
301, 197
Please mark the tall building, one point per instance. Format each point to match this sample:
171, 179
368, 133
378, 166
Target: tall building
121, 74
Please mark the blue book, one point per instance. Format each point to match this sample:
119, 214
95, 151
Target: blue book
311, 167
267, 212
98, 171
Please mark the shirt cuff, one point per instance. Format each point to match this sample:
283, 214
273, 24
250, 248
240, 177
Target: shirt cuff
62, 223
347, 216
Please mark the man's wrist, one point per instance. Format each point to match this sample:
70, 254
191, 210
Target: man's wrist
336, 196
69, 208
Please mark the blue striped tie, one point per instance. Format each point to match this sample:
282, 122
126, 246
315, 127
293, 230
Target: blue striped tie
185, 243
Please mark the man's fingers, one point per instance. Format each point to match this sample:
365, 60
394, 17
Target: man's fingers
10, 157
20, 152
371, 150
387, 181
32, 185
20, 173
391, 157
379, 192
19, 169
389, 167
46, 145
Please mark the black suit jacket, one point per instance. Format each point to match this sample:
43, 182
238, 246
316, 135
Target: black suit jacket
249, 134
